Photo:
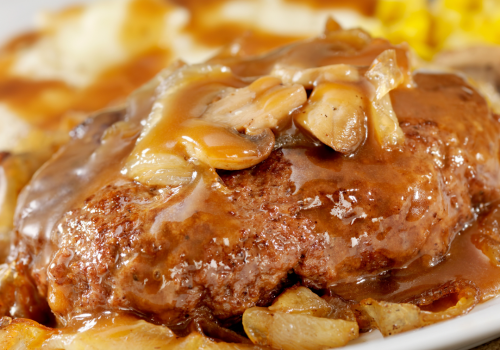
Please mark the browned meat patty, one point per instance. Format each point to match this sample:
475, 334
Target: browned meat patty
306, 212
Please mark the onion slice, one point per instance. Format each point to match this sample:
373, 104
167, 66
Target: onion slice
385, 75
394, 318
289, 331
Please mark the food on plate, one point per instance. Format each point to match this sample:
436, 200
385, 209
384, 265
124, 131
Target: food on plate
288, 199
393, 318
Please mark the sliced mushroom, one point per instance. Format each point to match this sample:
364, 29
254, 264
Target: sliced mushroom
265, 103
206, 114
335, 115
311, 77
223, 148
385, 75
155, 168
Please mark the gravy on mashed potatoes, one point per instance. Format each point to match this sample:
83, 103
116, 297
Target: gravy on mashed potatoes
284, 187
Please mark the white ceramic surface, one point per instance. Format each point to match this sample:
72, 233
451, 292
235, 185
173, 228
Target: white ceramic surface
462, 333
20, 15
481, 325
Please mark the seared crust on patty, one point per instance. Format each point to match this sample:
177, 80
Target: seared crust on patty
306, 211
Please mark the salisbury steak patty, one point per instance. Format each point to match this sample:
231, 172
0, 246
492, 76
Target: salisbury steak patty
306, 211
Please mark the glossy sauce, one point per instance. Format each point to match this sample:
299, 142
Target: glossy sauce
255, 41
44, 103
47, 104
464, 261
187, 104
366, 7
216, 33
97, 153
366, 203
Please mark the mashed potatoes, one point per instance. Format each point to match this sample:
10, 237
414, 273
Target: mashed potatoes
76, 49
47, 80
88, 58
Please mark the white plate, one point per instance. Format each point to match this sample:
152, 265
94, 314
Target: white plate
481, 325
20, 15
478, 327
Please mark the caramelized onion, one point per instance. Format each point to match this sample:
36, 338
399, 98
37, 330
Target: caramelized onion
331, 25
197, 117
23, 334
394, 318
311, 77
289, 331
297, 320
487, 239
159, 169
20, 296
385, 124
357, 38
201, 112
15, 172
103, 333
489, 246
301, 300
385, 75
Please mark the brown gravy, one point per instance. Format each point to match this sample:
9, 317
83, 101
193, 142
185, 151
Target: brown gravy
366, 7
388, 171
463, 261
46, 103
